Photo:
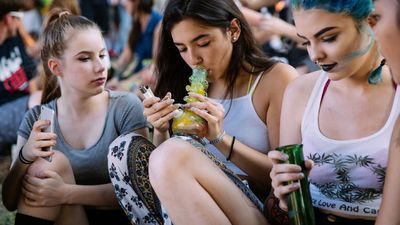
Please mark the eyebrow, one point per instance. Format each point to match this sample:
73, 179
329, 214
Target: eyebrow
194, 39
89, 52
319, 33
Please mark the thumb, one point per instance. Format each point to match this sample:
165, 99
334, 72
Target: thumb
309, 165
47, 174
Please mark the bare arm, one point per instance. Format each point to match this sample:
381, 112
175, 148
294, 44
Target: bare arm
388, 213
93, 195
254, 163
124, 59
12, 183
32, 149
293, 107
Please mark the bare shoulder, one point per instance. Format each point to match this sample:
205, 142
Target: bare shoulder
280, 73
302, 85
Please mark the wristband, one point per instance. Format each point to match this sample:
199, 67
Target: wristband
22, 158
218, 139
231, 149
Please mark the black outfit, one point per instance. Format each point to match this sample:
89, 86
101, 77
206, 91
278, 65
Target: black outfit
97, 11
16, 69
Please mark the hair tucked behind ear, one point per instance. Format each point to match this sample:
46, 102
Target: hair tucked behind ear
58, 23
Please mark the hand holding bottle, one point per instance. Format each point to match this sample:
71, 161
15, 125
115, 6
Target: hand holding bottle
209, 110
284, 175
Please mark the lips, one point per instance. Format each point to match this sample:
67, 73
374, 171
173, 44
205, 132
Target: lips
99, 80
327, 67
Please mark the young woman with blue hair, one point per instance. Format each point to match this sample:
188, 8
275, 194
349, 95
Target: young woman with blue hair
343, 114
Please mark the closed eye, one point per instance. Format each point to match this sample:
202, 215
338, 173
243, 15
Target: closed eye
84, 59
306, 43
182, 49
330, 39
205, 44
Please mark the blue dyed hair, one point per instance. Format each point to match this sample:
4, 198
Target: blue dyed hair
358, 9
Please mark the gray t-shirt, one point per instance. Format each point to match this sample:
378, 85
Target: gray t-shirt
125, 114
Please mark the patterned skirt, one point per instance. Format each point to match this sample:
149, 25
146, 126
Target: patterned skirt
128, 162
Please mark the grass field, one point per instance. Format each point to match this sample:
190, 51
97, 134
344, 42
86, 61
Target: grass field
6, 218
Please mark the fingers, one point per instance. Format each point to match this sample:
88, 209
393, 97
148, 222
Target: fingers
284, 177
309, 164
39, 124
161, 120
210, 110
148, 102
162, 116
48, 174
277, 156
157, 106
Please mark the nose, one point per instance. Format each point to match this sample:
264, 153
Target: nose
194, 58
315, 53
100, 65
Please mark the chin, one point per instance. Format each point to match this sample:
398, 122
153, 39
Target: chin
99, 91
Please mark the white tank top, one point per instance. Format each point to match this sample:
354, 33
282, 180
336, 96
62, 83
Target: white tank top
348, 175
242, 121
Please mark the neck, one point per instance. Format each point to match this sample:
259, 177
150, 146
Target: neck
143, 19
78, 105
360, 77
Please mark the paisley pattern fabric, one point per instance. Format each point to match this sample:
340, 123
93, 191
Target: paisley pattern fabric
128, 162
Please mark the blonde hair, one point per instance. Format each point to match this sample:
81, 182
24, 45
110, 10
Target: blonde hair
57, 24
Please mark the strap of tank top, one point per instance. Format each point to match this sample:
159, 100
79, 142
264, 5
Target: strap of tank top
255, 83
324, 91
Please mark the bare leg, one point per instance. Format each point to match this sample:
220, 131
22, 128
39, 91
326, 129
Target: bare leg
194, 190
64, 214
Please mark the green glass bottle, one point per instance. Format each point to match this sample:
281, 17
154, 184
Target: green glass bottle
301, 211
188, 122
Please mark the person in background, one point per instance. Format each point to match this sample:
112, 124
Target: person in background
334, 114
73, 187
97, 11
141, 48
17, 69
387, 31
273, 29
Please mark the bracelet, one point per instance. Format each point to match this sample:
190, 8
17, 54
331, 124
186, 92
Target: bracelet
231, 149
22, 158
218, 139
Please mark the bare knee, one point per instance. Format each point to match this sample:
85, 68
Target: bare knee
168, 158
59, 164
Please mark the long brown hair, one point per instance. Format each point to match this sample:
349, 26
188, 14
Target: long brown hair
172, 70
54, 37
144, 6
